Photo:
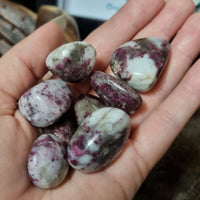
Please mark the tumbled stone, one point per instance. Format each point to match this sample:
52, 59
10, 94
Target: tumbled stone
73, 61
140, 62
99, 140
46, 102
47, 162
85, 105
64, 128
115, 93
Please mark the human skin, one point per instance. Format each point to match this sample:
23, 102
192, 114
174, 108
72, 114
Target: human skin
165, 110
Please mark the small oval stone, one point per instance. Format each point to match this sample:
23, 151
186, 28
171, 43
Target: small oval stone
85, 105
46, 102
64, 128
99, 139
47, 162
115, 93
140, 62
73, 61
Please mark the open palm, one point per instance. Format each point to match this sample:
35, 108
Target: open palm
164, 112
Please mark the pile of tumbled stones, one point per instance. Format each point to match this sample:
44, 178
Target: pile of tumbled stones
89, 132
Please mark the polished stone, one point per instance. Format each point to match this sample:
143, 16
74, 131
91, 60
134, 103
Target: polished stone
46, 102
64, 128
73, 61
99, 140
140, 62
115, 93
47, 162
85, 105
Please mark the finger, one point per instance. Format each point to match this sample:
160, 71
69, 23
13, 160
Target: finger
121, 28
169, 20
24, 64
180, 60
159, 130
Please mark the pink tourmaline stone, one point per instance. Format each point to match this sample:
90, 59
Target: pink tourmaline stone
99, 139
47, 162
115, 92
46, 102
140, 62
73, 61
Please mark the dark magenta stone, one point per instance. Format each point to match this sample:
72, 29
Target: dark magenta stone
99, 139
85, 105
140, 62
73, 61
115, 93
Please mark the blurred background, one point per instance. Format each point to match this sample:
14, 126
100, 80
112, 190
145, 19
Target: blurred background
88, 13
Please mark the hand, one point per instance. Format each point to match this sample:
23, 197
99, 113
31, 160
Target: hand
165, 111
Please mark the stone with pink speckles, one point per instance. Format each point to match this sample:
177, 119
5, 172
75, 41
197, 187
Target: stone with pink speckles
64, 128
46, 102
47, 162
140, 62
115, 93
73, 61
99, 139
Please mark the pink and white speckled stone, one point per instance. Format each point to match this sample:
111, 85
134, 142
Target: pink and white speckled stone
99, 139
73, 61
64, 128
46, 102
140, 62
47, 162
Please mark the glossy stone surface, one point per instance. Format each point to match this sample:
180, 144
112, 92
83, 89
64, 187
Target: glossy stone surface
140, 62
115, 93
85, 105
46, 102
47, 162
99, 140
64, 128
73, 61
